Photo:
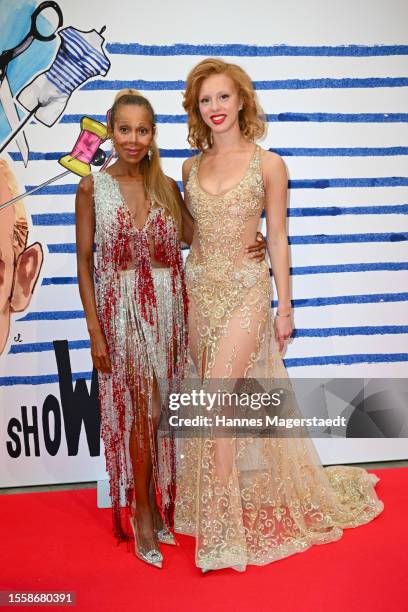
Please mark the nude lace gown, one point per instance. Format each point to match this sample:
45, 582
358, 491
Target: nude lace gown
250, 500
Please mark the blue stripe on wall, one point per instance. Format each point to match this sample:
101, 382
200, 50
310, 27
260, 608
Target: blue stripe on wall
67, 247
340, 117
66, 218
60, 280
333, 211
231, 50
296, 362
66, 189
320, 83
44, 379
53, 219
346, 238
370, 298
75, 118
362, 330
321, 332
293, 152
55, 315
390, 266
70, 247
341, 151
40, 347
381, 181
279, 117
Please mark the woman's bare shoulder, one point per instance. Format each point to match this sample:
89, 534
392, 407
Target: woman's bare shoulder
86, 185
271, 159
273, 164
188, 164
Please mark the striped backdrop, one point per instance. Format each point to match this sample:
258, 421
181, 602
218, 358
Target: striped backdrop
336, 114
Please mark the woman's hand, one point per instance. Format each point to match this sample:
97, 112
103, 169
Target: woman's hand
257, 249
99, 352
283, 329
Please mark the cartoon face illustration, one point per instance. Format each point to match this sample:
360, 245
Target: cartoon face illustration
20, 264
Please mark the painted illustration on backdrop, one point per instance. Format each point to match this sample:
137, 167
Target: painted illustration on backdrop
41, 66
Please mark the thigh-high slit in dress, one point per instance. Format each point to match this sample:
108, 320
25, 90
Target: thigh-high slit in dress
250, 500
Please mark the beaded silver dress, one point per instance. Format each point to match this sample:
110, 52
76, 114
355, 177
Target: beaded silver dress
250, 500
142, 308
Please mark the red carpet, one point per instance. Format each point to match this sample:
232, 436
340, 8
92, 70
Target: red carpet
61, 542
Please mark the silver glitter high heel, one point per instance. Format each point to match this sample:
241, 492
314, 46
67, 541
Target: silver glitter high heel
166, 537
152, 556
163, 534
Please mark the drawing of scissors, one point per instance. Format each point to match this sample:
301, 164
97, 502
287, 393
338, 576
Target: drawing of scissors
6, 96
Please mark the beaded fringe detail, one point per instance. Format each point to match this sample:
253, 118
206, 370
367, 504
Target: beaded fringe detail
143, 313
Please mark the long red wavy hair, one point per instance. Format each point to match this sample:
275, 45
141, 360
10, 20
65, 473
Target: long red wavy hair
251, 118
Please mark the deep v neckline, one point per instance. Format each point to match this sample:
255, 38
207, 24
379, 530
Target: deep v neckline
224, 193
126, 206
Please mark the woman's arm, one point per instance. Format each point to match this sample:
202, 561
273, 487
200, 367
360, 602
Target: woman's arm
85, 230
188, 221
276, 188
186, 218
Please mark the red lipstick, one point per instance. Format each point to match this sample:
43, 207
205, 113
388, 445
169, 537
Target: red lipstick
218, 119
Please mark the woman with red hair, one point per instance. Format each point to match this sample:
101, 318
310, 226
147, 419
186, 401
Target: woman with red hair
247, 500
